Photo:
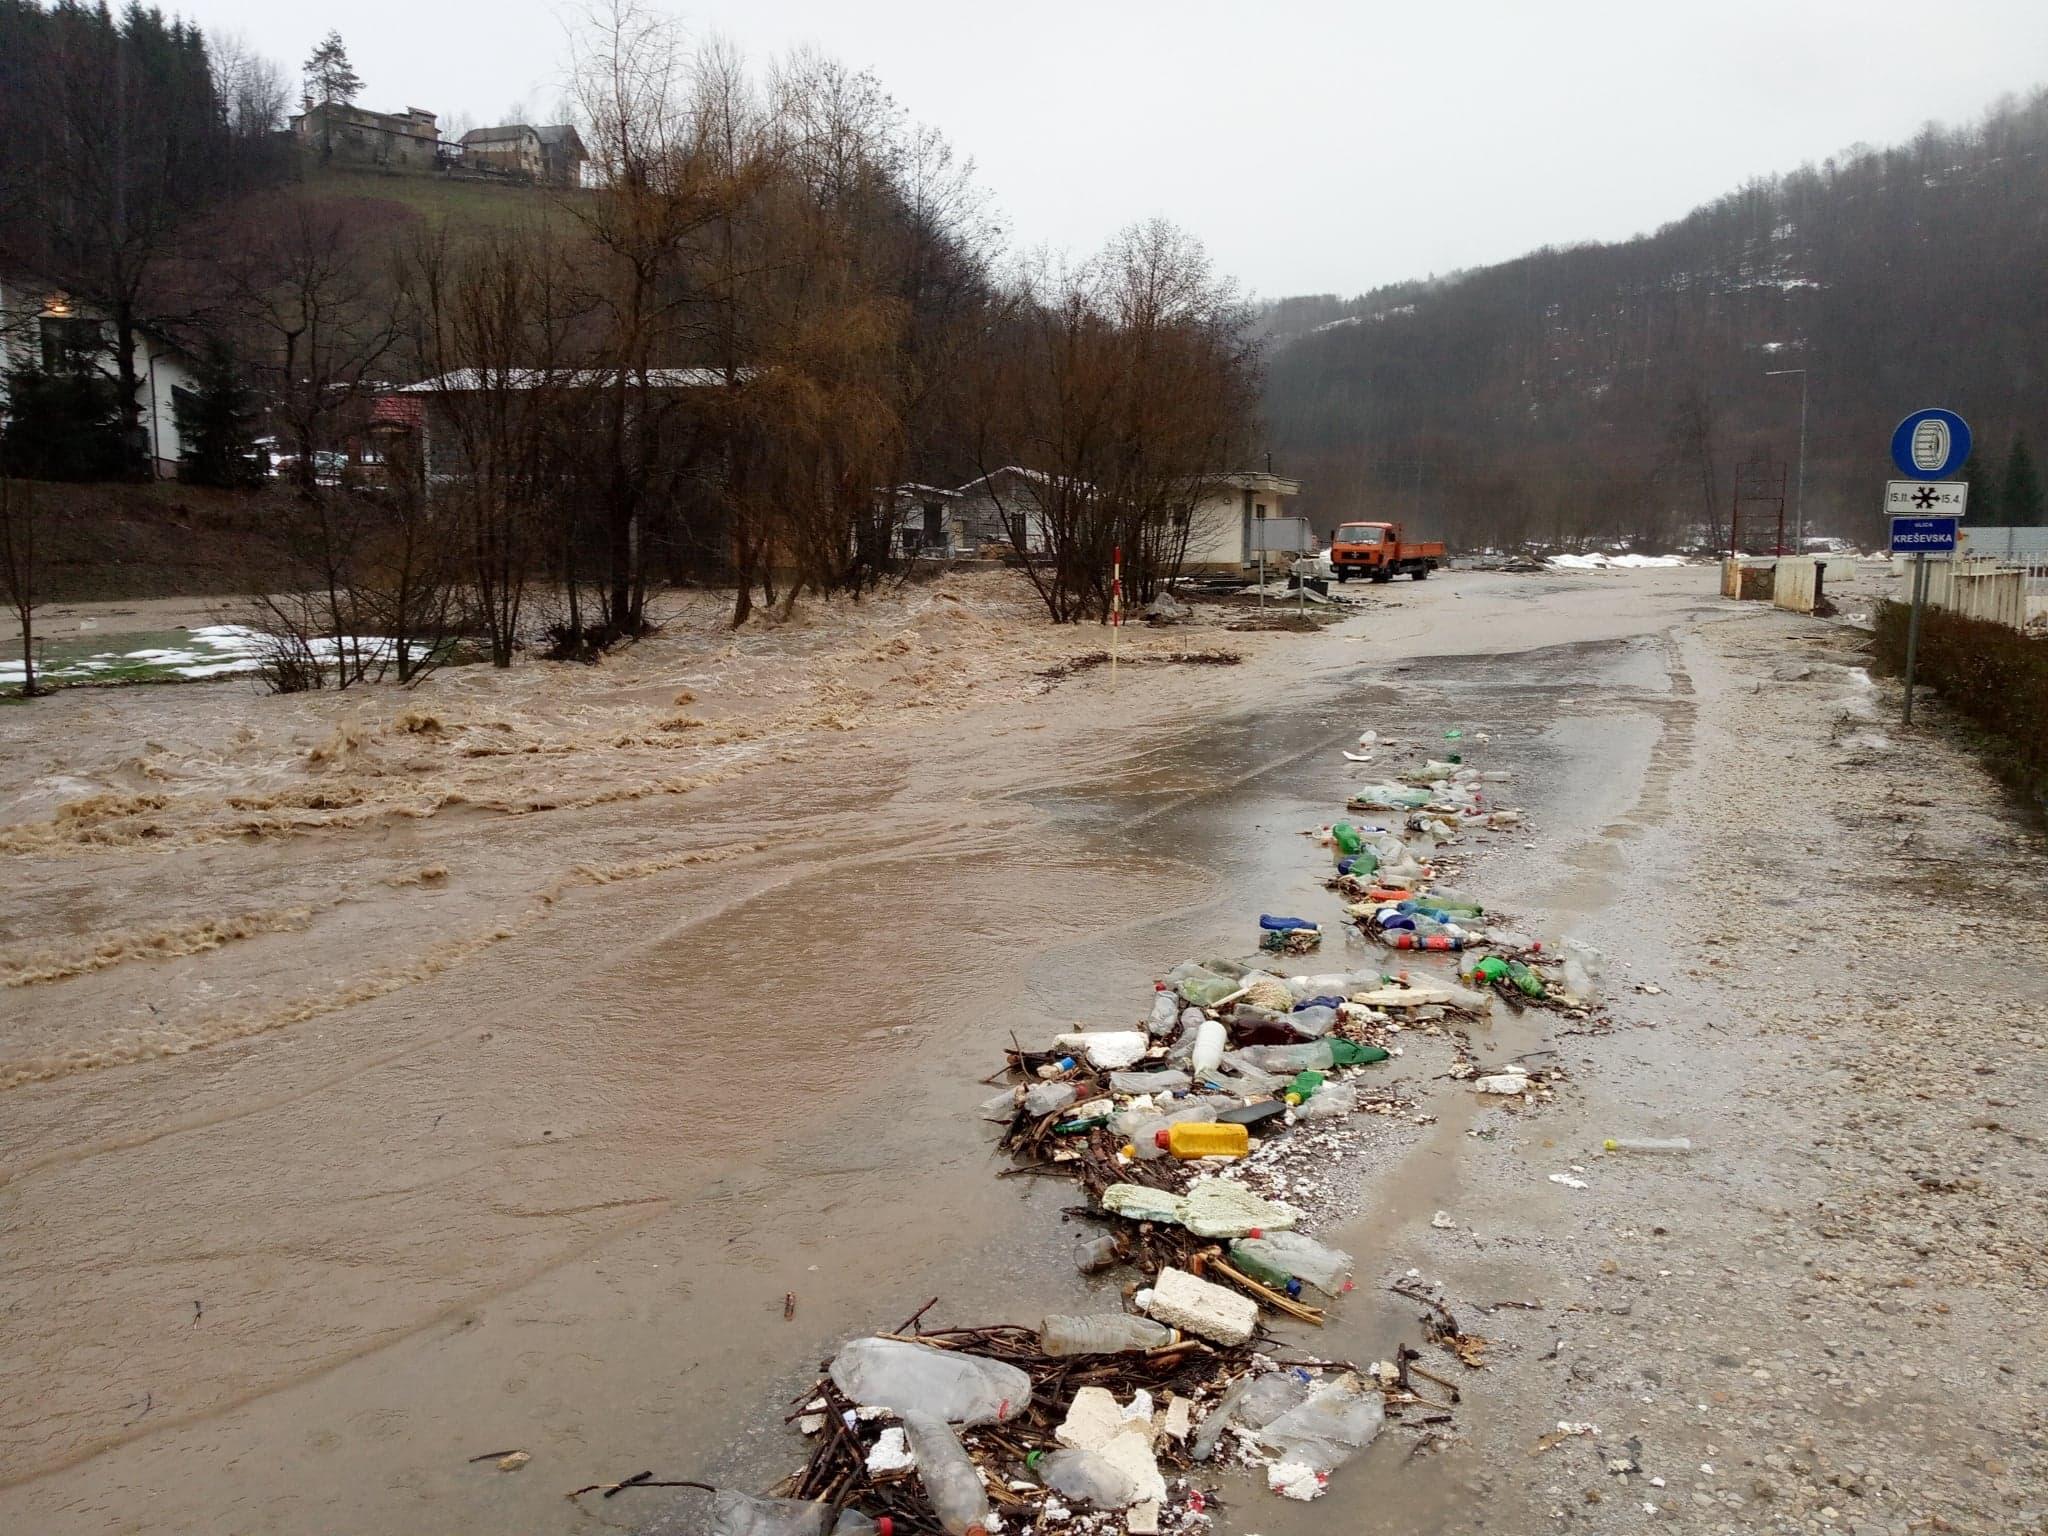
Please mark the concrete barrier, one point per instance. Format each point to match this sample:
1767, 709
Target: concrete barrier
1797, 584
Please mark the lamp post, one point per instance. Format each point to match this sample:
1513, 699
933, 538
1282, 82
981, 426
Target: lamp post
1799, 495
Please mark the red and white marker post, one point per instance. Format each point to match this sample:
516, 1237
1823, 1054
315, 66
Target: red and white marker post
1116, 607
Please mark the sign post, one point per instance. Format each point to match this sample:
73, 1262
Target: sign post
1116, 607
1927, 445
1262, 559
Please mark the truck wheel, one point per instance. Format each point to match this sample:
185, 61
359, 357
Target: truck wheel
1422, 573
1342, 575
1382, 576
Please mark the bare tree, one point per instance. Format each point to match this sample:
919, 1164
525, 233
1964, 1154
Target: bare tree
314, 288
495, 323
18, 570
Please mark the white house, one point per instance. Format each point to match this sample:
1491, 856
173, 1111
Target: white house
995, 507
42, 325
924, 520
1220, 530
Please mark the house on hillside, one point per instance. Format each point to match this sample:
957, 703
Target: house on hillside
42, 326
405, 141
1221, 529
562, 155
553, 154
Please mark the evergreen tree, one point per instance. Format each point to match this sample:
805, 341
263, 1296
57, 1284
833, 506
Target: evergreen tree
329, 75
2020, 500
1983, 481
216, 425
65, 423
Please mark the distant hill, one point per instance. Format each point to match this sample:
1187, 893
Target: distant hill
1610, 390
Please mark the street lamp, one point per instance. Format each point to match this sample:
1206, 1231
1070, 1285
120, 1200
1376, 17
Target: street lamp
1799, 495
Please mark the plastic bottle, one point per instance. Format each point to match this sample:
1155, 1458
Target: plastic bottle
1258, 1269
1049, 1098
1647, 1144
1209, 1041
1195, 1138
1273, 924
1293, 1058
1312, 1021
1203, 1445
1144, 1130
1333, 1101
1297, 1254
1207, 989
951, 1480
1107, 1333
915, 1378
1092, 1255
1165, 1013
1484, 970
1443, 942
1148, 1082
742, 1514
852, 1522
1525, 980
1345, 837
1303, 1087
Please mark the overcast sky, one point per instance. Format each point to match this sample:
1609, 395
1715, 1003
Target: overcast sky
1313, 147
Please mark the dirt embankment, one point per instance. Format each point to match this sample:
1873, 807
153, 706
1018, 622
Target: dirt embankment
98, 543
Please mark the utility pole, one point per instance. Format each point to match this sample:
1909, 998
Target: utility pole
1799, 495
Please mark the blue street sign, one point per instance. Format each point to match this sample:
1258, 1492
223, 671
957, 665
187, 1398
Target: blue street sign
1924, 535
1931, 445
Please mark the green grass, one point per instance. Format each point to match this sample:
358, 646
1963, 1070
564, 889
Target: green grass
464, 205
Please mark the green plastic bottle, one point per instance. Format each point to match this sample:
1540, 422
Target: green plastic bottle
1527, 981
1258, 1269
1348, 1053
1489, 970
1304, 1085
1346, 837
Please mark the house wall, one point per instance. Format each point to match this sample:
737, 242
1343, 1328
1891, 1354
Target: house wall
521, 155
1217, 540
399, 140
159, 368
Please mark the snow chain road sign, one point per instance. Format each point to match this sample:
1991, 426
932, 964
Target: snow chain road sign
1926, 498
1931, 444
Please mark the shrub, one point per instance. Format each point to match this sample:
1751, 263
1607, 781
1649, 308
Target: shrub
1995, 677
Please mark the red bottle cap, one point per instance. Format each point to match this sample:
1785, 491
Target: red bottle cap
885, 1526
1255, 1232
1160, 1138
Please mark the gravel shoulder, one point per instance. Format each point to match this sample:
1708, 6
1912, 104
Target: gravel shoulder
1828, 1317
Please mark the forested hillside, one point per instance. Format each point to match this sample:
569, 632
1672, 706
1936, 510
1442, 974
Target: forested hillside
1608, 391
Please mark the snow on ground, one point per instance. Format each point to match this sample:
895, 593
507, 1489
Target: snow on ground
1597, 562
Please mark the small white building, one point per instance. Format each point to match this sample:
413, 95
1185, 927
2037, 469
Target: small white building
996, 507
1220, 529
43, 326
924, 521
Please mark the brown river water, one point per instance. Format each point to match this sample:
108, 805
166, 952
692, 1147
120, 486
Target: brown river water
389, 1080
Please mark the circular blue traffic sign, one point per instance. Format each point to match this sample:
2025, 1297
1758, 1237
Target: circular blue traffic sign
1931, 445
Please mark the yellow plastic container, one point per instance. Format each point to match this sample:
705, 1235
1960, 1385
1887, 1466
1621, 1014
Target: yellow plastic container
1204, 1138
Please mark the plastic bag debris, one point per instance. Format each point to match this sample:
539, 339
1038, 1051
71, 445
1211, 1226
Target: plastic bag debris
1338, 1419
915, 1378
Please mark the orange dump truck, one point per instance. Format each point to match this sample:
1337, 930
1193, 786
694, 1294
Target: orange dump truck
1378, 550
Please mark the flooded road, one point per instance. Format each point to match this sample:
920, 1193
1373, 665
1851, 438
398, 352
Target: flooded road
511, 1123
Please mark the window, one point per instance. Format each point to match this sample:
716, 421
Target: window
1358, 533
70, 342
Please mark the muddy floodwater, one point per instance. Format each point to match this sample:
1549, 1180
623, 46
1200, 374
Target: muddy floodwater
396, 1078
